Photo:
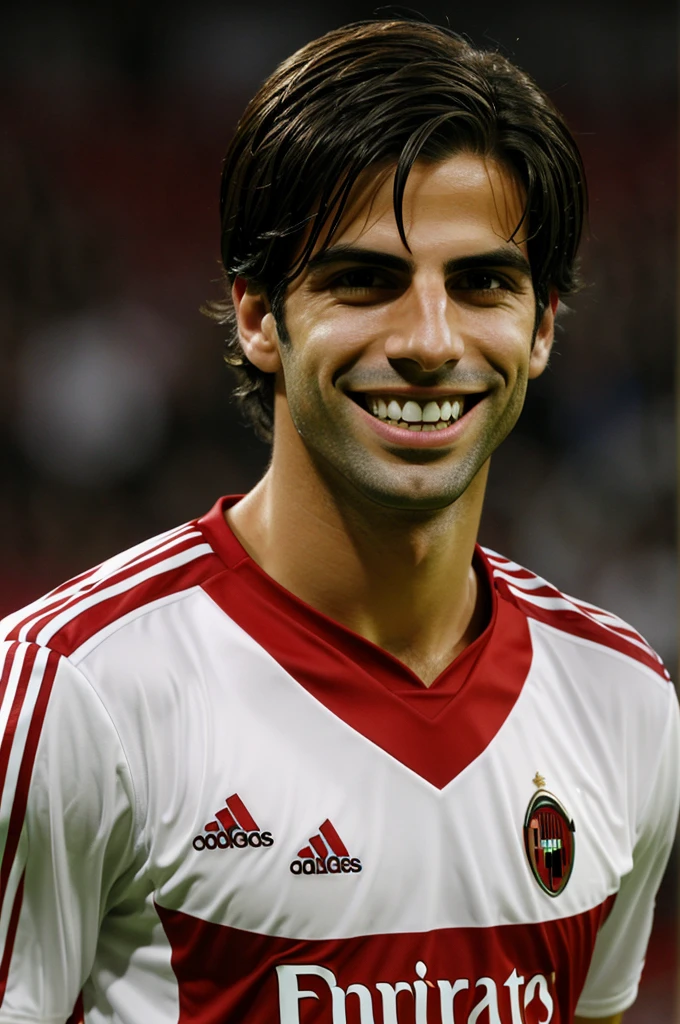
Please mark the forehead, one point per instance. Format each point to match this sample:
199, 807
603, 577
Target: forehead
464, 201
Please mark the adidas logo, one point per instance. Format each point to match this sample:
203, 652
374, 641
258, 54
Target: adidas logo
325, 855
233, 826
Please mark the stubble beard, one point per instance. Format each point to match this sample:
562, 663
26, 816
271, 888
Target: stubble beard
354, 479
412, 483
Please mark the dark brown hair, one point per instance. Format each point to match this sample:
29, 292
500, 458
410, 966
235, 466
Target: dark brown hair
365, 95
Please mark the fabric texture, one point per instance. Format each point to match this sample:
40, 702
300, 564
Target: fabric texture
219, 805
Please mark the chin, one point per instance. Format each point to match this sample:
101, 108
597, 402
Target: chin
425, 487
414, 495
416, 503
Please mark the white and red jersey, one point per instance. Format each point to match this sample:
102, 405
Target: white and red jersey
219, 806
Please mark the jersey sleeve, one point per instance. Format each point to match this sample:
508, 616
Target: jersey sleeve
614, 975
67, 825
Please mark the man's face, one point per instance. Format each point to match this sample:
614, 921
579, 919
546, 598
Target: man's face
405, 370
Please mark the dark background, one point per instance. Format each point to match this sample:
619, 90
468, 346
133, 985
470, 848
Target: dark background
115, 415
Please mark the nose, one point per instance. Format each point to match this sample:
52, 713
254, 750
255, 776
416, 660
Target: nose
428, 331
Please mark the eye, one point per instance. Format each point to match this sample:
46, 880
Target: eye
362, 282
480, 281
483, 287
360, 278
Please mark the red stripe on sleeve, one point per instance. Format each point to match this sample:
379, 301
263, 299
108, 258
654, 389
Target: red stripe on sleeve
124, 574
17, 815
7, 668
74, 590
17, 704
85, 622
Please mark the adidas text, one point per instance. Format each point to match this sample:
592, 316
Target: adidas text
236, 838
325, 866
459, 1000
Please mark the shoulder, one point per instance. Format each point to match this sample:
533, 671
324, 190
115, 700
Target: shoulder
86, 666
571, 617
154, 572
596, 686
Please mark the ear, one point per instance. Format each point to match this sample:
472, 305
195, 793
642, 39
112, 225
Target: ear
545, 334
256, 326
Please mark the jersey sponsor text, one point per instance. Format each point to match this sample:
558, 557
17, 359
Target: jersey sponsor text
446, 1001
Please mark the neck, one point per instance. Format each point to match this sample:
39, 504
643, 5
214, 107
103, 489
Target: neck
403, 580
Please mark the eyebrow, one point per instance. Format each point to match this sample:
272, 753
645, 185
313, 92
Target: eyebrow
503, 256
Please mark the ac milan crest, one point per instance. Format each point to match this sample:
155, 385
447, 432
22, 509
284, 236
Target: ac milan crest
549, 841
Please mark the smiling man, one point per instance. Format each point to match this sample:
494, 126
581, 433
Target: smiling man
317, 756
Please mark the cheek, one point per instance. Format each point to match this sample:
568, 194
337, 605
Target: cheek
302, 375
344, 331
317, 355
506, 346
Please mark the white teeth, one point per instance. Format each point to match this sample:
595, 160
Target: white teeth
431, 413
412, 412
434, 415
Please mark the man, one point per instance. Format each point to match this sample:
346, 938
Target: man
317, 757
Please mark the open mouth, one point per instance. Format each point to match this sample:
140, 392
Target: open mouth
417, 414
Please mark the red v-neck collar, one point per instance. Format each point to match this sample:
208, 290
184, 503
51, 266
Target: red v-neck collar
435, 731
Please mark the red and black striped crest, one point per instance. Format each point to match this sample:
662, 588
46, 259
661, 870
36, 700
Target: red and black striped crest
549, 842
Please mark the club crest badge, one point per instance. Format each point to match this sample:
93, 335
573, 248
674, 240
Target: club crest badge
549, 840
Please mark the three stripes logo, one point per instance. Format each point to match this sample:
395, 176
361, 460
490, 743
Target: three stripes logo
233, 826
325, 855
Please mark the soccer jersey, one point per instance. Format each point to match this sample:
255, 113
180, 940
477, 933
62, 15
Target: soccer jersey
220, 806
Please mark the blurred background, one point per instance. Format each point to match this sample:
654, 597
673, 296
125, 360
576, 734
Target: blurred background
115, 413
